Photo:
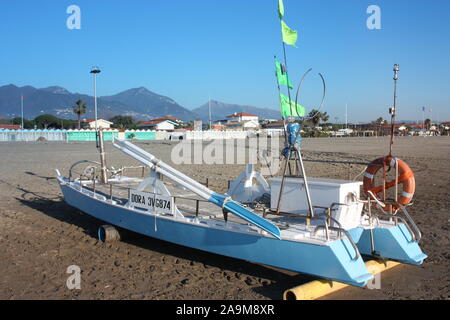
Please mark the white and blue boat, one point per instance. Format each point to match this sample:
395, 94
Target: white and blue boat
168, 205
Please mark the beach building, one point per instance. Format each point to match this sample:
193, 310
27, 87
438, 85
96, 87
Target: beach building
101, 123
159, 124
242, 121
241, 117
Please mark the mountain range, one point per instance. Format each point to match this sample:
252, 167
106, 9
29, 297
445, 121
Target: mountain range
220, 110
140, 103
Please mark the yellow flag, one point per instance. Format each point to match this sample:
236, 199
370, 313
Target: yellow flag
289, 36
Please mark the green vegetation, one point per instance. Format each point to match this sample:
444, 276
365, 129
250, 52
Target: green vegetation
123, 122
45, 121
427, 124
79, 109
27, 124
316, 117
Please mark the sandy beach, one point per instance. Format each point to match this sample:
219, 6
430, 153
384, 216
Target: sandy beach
40, 236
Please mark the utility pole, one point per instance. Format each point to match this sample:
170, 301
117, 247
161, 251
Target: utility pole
209, 109
21, 107
423, 118
431, 116
346, 115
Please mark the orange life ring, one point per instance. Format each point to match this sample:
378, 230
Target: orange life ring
405, 177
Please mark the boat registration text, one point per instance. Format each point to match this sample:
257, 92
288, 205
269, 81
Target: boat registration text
151, 201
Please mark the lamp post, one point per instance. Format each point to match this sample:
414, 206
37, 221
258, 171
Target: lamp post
99, 135
94, 72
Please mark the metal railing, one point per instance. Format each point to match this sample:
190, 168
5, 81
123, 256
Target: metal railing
409, 223
326, 218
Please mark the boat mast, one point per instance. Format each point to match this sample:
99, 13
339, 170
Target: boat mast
293, 140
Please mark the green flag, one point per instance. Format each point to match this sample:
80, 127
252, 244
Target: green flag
297, 110
289, 36
282, 75
280, 9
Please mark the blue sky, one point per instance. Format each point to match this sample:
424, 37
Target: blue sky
190, 50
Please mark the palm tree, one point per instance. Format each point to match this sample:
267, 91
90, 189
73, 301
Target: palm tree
379, 123
79, 109
315, 117
427, 124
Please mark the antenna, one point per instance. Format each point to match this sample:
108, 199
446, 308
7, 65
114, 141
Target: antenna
393, 110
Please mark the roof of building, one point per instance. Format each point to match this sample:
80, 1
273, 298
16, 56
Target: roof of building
275, 124
241, 114
398, 125
155, 122
10, 126
93, 120
168, 118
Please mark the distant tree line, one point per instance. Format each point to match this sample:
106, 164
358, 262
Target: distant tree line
45, 121
48, 121
123, 123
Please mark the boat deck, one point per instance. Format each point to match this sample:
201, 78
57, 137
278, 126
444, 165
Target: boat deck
191, 205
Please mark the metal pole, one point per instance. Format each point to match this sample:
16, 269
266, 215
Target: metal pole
394, 109
94, 72
95, 101
423, 119
287, 78
346, 116
282, 180
209, 109
282, 117
21, 105
308, 194
290, 119
431, 118
104, 176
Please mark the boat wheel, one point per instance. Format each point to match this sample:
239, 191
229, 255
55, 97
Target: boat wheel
107, 233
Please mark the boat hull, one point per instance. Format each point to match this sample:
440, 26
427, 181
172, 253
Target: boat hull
334, 261
393, 243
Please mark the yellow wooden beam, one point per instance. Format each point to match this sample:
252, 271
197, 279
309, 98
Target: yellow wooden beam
319, 288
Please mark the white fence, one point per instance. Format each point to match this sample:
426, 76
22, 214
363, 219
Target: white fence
89, 135
33, 135
211, 135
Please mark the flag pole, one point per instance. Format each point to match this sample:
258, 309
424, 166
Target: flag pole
279, 94
290, 119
